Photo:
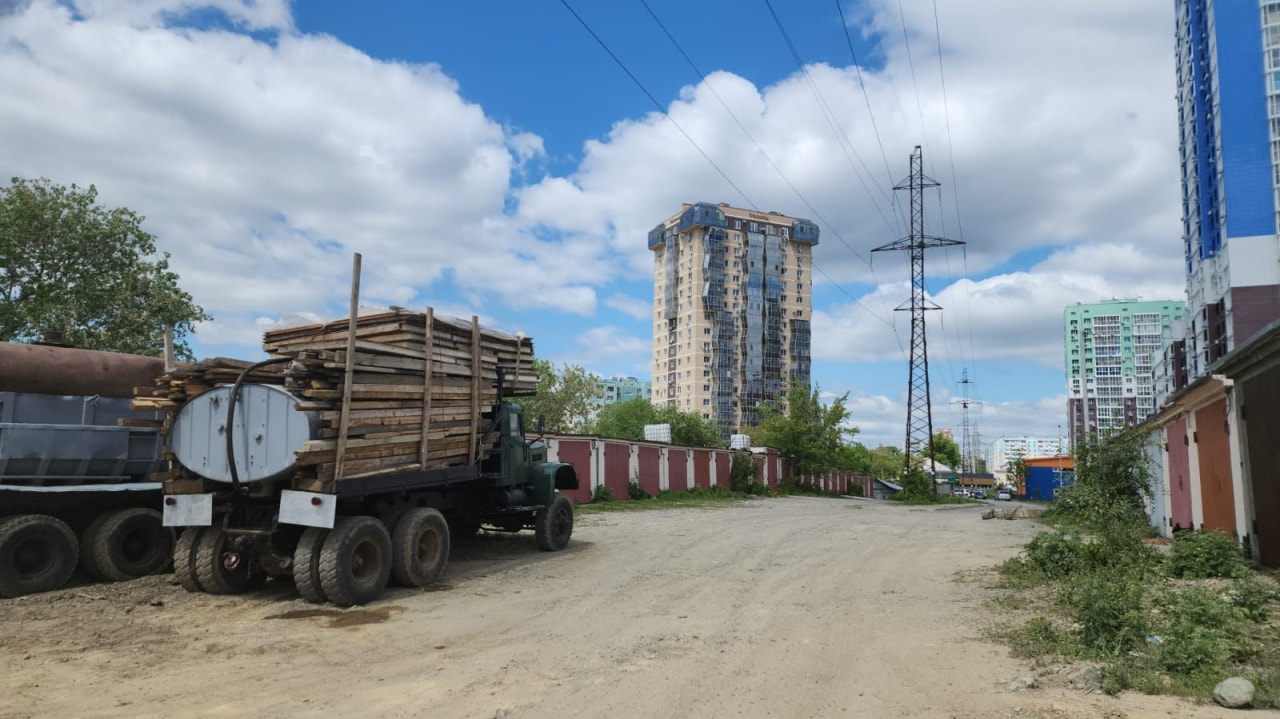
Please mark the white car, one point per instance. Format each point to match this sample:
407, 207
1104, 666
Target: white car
1004, 495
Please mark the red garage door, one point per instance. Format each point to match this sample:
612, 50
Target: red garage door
578, 453
1179, 475
650, 469
678, 469
723, 461
617, 465
1215, 468
702, 468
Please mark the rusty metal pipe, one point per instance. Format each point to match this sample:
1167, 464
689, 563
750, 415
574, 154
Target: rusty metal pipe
44, 369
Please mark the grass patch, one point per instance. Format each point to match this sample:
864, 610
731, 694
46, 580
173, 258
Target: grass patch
697, 497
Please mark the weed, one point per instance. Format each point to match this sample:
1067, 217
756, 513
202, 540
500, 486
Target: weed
1056, 554
602, 494
1205, 553
1108, 604
1202, 632
1038, 638
635, 491
1252, 596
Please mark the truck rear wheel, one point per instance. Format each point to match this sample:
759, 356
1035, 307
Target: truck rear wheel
221, 569
306, 565
554, 525
37, 553
126, 543
355, 561
420, 547
184, 558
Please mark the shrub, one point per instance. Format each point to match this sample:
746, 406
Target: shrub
1202, 632
1056, 554
635, 491
1201, 554
602, 494
742, 471
1252, 596
1109, 607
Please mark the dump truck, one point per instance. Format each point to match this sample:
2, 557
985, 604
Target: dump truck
353, 456
76, 465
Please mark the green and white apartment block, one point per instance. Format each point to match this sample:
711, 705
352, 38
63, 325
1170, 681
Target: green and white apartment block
1109, 354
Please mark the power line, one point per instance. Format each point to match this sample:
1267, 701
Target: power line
703, 79
686, 135
841, 136
861, 84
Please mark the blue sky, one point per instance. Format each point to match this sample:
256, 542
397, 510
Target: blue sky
492, 159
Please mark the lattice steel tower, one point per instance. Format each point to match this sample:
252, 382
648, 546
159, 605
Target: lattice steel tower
919, 411
970, 441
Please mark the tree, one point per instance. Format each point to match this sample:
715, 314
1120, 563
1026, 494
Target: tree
563, 397
626, 420
945, 451
70, 267
886, 462
811, 433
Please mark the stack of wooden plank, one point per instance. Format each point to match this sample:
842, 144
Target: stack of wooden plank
389, 402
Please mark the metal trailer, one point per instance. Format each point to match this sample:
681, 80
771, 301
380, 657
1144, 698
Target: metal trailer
252, 518
75, 488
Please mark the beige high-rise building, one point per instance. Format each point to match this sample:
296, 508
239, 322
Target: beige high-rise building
731, 297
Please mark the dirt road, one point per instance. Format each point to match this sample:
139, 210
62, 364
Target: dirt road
773, 608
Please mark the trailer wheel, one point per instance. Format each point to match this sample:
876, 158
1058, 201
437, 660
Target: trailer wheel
355, 561
221, 569
554, 525
125, 544
419, 547
37, 553
306, 565
184, 559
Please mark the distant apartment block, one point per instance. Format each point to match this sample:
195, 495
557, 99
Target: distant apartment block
1109, 353
1228, 73
732, 291
1004, 449
622, 389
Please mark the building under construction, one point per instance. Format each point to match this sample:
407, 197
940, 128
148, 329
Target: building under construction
731, 300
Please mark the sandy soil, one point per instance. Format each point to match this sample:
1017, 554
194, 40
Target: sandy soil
773, 608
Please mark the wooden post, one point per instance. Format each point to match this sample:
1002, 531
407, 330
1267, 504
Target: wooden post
344, 423
475, 388
169, 362
429, 342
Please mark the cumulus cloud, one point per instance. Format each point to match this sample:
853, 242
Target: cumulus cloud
639, 309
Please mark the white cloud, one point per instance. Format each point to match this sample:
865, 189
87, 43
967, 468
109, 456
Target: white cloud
639, 309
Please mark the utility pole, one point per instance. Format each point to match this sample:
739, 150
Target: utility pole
919, 410
968, 430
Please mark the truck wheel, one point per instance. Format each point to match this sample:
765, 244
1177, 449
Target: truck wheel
554, 525
37, 553
420, 547
220, 569
125, 544
184, 559
355, 561
306, 565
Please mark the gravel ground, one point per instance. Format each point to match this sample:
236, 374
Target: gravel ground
792, 607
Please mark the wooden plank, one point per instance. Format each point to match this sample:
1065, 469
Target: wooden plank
428, 346
475, 381
351, 361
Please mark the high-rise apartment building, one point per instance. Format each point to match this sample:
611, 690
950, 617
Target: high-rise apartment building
621, 389
1109, 351
731, 297
1001, 451
1228, 63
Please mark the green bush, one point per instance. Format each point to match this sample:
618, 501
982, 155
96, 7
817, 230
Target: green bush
742, 471
1202, 632
1108, 604
635, 491
1253, 596
1202, 554
602, 494
1056, 554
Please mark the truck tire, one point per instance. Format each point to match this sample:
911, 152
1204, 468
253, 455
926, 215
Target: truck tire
554, 525
419, 547
37, 553
184, 558
126, 543
355, 561
306, 565
215, 577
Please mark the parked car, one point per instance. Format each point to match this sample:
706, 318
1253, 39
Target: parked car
980, 494
1004, 495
